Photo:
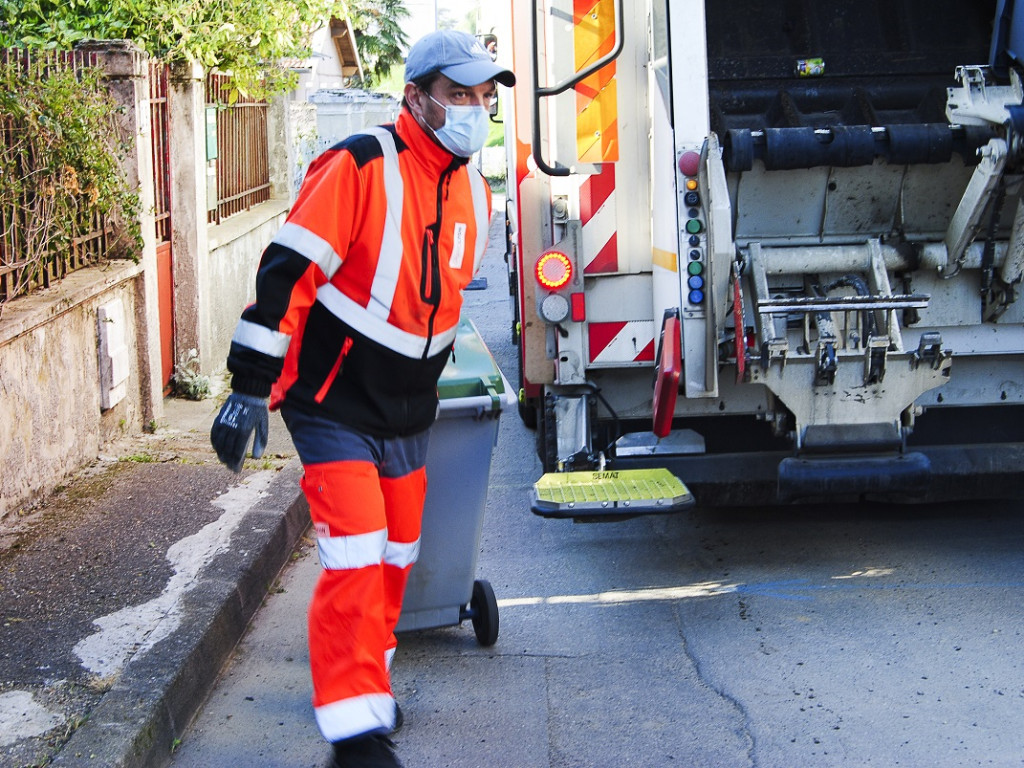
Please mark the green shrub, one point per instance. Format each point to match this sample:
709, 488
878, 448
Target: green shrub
188, 381
60, 171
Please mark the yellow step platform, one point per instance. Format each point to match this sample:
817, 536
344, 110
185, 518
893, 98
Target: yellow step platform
611, 492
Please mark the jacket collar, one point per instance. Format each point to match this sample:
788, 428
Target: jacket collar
435, 157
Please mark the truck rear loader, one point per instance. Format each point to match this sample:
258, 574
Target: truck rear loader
767, 252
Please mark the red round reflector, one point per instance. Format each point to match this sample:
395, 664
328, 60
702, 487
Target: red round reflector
554, 270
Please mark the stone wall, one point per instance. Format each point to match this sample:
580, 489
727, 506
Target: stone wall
234, 254
51, 390
79, 361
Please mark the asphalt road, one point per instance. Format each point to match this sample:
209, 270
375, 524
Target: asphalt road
778, 638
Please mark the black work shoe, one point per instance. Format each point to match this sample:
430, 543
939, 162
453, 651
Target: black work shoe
374, 751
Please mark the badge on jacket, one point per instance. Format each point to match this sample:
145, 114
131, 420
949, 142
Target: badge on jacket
458, 247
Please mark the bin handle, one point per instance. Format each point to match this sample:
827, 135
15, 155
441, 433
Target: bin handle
493, 393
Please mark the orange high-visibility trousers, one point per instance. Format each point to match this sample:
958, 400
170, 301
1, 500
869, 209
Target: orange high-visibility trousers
366, 510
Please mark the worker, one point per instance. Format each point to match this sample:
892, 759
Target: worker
357, 303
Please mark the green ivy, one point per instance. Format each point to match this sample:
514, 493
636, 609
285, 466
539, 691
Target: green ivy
60, 167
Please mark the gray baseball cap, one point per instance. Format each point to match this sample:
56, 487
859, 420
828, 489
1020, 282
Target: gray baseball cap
456, 55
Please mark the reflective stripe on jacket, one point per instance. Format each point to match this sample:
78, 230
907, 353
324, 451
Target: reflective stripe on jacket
358, 296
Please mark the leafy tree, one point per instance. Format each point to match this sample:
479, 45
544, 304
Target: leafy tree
247, 37
379, 36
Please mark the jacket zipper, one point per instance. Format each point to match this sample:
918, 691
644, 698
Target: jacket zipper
431, 293
335, 369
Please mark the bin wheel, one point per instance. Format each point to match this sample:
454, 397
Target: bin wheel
484, 613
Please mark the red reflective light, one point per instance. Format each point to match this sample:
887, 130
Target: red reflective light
554, 270
668, 372
579, 307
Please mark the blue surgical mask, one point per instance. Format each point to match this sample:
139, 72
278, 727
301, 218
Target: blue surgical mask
465, 128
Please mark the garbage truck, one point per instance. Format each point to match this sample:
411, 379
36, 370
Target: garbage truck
767, 251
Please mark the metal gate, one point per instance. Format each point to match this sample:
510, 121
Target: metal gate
158, 76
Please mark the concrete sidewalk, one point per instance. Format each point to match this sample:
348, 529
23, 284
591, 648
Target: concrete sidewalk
127, 590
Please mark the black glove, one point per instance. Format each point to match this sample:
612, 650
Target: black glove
238, 418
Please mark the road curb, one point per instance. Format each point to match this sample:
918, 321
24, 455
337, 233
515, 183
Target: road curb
138, 721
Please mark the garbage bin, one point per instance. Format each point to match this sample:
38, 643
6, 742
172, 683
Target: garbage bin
443, 590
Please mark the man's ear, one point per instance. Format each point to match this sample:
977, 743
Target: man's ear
413, 95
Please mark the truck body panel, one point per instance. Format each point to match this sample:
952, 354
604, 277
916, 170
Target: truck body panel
821, 201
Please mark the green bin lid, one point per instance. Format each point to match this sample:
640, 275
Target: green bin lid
471, 370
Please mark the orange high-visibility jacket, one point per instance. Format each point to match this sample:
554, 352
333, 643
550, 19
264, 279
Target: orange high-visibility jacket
358, 296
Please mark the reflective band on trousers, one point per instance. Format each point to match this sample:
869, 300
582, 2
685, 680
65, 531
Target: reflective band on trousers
344, 553
401, 555
351, 717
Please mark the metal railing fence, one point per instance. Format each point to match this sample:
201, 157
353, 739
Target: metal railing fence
242, 156
26, 213
160, 142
